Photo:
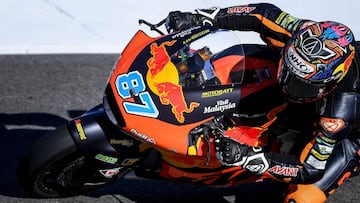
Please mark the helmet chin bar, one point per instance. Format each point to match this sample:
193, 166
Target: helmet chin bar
300, 91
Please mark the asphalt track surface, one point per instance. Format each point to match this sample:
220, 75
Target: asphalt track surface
41, 92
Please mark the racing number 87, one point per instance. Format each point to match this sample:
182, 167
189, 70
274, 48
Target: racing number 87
130, 85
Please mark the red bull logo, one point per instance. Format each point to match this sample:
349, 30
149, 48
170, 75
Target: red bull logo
172, 94
163, 80
160, 57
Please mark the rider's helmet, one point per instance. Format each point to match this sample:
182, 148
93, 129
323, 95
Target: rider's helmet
315, 60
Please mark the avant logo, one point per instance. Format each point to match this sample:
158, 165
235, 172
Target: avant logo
284, 171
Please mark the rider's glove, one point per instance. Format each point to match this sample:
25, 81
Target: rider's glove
232, 153
177, 20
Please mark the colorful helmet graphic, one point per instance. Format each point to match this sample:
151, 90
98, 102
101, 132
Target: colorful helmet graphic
315, 60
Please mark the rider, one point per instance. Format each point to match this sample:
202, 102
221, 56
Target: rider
320, 65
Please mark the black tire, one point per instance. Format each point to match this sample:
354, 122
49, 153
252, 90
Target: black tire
49, 168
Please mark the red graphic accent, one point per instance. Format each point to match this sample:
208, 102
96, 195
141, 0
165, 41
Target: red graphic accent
160, 57
240, 9
348, 61
172, 94
246, 135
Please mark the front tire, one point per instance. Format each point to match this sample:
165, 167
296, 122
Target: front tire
52, 166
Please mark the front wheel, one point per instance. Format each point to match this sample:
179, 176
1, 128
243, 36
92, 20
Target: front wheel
53, 167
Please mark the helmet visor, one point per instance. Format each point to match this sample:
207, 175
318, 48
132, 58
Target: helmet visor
300, 90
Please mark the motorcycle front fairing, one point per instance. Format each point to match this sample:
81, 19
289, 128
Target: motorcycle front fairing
156, 103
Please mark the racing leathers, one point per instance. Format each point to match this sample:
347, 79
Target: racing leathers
332, 154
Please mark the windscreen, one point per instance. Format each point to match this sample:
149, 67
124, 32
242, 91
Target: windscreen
211, 60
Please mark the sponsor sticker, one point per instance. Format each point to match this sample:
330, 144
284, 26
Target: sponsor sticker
80, 129
106, 159
221, 106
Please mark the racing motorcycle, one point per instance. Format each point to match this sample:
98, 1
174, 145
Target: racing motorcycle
167, 99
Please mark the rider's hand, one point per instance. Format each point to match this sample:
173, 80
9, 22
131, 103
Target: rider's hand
232, 153
177, 20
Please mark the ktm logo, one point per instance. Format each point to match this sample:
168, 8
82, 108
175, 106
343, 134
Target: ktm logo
332, 125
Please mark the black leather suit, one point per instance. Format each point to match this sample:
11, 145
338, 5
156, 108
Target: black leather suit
332, 155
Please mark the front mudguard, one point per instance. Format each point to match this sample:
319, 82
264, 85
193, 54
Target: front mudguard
89, 134
93, 133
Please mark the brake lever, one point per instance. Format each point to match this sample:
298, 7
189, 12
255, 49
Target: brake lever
153, 27
210, 127
207, 140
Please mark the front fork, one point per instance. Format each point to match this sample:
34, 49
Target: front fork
109, 151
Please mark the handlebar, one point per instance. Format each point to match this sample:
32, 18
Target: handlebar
153, 26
